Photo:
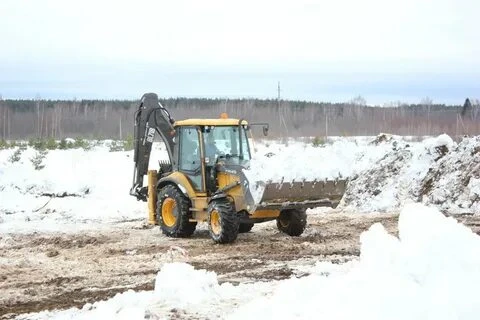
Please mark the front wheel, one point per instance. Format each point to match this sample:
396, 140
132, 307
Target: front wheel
223, 221
292, 221
173, 210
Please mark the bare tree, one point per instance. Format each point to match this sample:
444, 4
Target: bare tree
358, 101
427, 103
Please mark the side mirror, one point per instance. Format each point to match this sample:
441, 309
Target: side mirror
265, 130
264, 127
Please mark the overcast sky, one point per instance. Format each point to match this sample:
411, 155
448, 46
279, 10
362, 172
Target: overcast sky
318, 50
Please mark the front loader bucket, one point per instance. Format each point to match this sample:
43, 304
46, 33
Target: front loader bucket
302, 194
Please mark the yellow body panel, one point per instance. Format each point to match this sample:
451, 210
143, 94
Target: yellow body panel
152, 196
265, 214
199, 209
209, 122
200, 216
224, 179
199, 203
182, 181
236, 193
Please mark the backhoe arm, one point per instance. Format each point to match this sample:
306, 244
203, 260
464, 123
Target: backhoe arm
150, 117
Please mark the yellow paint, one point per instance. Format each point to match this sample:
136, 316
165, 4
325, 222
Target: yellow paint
202, 155
168, 212
209, 122
199, 216
236, 193
180, 179
199, 209
199, 203
199, 199
224, 179
152, 196
265, 214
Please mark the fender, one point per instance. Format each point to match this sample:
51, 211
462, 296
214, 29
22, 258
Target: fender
181, 181
218, 195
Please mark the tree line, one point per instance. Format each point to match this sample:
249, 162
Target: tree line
113, 119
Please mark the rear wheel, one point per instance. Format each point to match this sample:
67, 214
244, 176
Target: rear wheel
245, 227
173, 210
223, 221
292, 221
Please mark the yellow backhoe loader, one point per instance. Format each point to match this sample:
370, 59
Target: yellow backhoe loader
204, 179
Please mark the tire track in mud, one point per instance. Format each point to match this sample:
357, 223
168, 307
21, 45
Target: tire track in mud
59, 271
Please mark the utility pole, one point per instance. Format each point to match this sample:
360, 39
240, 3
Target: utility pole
278, 105
280, 109
278, 96
120, 129
326, 127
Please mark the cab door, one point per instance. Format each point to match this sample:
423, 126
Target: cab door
190, 156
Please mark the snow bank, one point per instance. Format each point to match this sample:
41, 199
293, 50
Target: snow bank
431, 271
396, 176
436, 172
453, 183
74, 189
178, 285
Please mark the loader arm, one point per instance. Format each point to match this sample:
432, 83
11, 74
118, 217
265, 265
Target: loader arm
150, 117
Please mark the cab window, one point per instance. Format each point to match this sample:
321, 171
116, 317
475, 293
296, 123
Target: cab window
189, 156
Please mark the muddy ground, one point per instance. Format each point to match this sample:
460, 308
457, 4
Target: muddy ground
60, 270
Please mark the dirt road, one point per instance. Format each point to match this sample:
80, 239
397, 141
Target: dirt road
57, 271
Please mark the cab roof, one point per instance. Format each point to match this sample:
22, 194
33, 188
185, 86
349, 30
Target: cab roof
209, 122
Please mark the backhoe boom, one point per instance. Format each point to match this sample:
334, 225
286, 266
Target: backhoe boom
150, 117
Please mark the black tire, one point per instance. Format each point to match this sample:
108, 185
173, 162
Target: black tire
292, 222
223, 221
245, 227
174, 220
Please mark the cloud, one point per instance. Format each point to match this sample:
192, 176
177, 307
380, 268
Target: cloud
343, 40
242, 33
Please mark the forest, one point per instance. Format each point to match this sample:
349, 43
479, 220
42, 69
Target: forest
113, 119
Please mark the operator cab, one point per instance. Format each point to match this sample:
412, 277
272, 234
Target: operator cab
209, 146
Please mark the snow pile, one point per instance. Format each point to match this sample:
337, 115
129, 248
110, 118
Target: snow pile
437, 171
396, 176
431, 271
274, 161
179, 285
180, 292
453, 183
124, 306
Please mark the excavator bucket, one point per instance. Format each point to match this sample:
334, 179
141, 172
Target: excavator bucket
301, 194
